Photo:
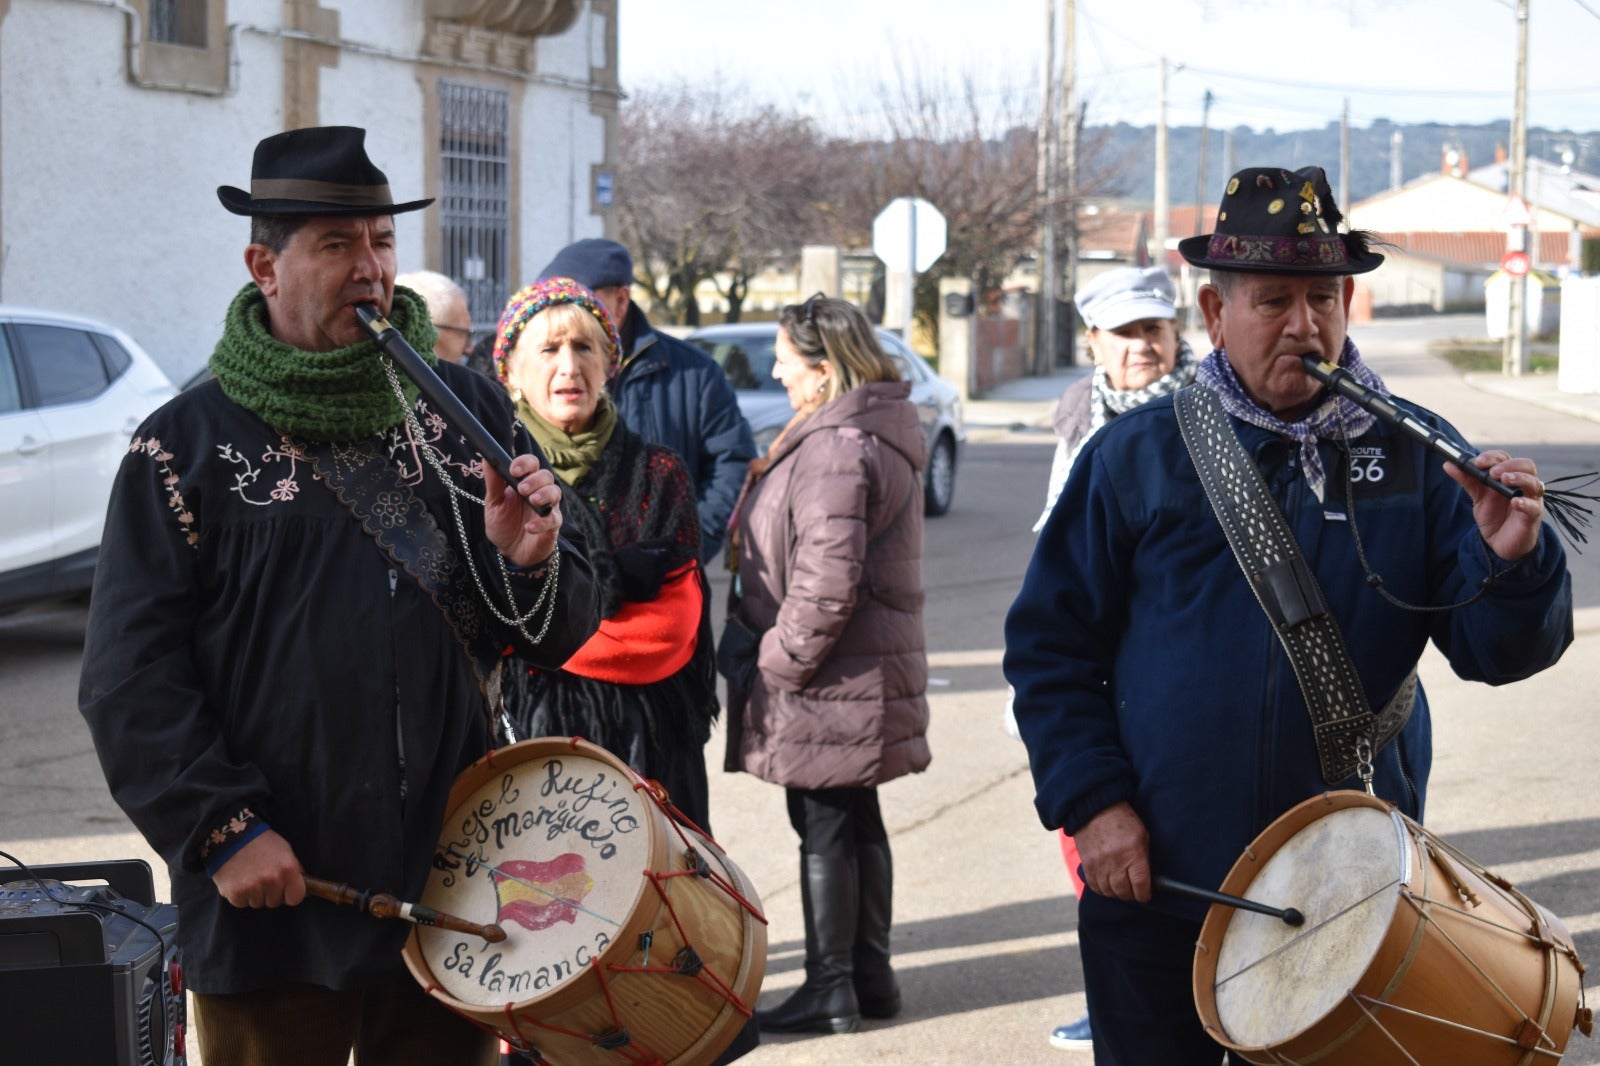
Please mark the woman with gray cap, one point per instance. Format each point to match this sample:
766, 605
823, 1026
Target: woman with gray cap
1137, 353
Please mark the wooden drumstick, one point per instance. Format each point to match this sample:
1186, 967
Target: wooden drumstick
383, 905
1289, 915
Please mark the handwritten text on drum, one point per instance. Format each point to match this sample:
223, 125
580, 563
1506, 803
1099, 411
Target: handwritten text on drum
464, 960
595, 808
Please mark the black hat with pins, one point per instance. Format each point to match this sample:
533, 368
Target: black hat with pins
1276, 221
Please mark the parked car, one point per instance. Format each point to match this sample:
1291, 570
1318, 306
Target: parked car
72, 391
745, 353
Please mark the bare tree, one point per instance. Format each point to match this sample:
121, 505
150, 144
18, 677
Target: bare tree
711, 188
971, 151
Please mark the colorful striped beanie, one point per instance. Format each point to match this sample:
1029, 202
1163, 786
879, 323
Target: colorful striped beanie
531, 299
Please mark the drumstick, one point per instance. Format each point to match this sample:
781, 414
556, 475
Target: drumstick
449, 406
1289, 915
383, 905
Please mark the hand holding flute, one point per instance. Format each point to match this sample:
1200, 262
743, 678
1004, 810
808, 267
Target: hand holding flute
511, 485
1507, 495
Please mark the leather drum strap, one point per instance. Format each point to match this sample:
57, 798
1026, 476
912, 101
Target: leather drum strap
368, 484
1273, 563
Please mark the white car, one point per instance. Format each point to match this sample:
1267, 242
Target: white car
72, 391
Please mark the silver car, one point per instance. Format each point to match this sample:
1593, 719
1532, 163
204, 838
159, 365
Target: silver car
745, 353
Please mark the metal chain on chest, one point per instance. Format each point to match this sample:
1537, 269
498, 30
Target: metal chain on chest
546, 601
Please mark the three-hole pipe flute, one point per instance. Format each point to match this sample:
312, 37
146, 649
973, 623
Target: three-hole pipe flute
438, 394
1344, 383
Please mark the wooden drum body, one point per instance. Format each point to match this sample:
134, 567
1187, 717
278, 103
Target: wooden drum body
1411, 953
630, 937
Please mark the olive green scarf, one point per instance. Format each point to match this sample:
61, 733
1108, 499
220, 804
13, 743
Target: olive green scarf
320, 396
571, 455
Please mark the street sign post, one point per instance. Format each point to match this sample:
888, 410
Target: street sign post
909, 236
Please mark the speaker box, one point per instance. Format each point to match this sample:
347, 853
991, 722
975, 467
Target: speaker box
81, 982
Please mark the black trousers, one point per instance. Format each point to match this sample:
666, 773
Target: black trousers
832, 821
1138, 970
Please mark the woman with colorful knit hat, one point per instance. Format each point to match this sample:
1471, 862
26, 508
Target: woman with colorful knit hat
643, 687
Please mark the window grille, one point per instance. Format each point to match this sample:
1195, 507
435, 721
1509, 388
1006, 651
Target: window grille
177, 22
475, 196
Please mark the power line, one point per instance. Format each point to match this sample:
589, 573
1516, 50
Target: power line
1587, 8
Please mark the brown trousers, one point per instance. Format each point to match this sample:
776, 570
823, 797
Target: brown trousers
303, 1025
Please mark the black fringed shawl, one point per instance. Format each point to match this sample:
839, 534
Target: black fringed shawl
635, 492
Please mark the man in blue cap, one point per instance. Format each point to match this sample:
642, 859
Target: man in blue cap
1158, 690
667, 391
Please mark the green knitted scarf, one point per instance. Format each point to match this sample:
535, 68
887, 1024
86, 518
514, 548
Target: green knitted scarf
320, 396
571, 455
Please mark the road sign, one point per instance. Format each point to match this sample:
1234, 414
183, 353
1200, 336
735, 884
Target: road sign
1517, 213
908, 234
1515, 263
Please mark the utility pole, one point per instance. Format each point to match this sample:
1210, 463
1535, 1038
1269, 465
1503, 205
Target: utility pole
1163, 193
1069, 151
1192, 318
1044, 349
1396, 171
1344, 158
1514, 359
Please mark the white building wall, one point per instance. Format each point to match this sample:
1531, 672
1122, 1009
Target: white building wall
562, 139
108, 190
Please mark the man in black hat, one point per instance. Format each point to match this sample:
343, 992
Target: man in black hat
295, 627
669, 392
1159, 691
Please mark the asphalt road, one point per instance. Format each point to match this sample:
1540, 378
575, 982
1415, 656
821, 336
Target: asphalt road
985, 935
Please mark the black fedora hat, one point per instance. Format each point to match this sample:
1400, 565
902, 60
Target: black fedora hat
322, 170
1276, 221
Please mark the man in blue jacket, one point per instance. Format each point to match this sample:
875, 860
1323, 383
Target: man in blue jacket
668, 392
1164, 721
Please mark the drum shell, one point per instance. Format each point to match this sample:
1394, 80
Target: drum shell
1449, 983
668, 1016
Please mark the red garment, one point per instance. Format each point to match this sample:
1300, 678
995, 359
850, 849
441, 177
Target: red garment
1069, 855
643, 642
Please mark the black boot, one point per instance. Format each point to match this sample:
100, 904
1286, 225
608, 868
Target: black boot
826, 1002
877, 992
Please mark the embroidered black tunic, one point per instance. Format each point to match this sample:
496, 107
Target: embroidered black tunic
254, 656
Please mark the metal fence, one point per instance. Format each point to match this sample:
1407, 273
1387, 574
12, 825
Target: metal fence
475, 195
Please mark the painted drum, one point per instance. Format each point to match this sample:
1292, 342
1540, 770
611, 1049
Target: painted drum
1411, 953
630, 936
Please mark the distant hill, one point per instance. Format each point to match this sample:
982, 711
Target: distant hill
1129, 153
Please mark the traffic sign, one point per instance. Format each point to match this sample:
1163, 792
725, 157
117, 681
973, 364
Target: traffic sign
908, 234
1517, 213
1515, 263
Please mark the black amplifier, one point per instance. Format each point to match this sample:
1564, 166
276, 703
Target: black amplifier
82, 982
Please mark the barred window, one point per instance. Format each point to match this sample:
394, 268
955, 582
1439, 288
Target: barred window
475, 195
177, 22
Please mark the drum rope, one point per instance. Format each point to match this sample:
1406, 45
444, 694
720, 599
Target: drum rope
677, 819
1365, 1002
1547, 992
703, 974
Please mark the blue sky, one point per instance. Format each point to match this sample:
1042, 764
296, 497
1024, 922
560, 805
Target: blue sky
1451, 61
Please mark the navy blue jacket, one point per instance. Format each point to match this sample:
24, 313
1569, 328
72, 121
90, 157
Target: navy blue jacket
673, 394
1145, 670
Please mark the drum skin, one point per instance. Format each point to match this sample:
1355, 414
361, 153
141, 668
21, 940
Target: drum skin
607, 904
1411, 954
